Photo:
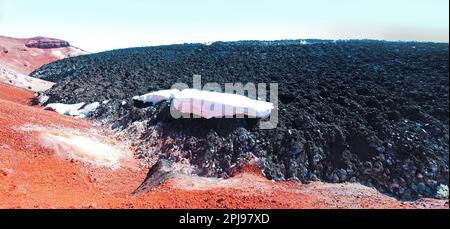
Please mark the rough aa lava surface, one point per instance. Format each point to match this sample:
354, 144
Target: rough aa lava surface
371, 112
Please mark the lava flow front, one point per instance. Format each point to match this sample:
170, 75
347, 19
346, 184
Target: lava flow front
52, 161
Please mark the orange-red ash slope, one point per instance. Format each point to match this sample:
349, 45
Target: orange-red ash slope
34, 176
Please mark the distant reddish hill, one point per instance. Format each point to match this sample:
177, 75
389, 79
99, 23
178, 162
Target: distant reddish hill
26, 55
19, 57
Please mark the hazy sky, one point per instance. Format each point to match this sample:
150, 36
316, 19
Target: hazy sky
97, 25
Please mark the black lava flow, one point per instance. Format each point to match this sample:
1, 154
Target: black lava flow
371, 112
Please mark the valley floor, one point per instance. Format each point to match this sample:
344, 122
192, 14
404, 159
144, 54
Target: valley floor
37, 175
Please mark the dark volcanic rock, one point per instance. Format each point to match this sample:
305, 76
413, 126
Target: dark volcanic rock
158, 174
46, 43
360, 111
4, 50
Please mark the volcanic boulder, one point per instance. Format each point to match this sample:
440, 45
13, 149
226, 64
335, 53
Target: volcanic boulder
158, 174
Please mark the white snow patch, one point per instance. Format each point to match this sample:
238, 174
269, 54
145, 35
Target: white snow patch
442, 191
217, 105
82, 113
157, 97
77, 52
73, 109
65, 109
91, 107
81, 116
303, 42
58, 54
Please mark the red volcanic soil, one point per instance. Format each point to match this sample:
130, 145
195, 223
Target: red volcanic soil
33, 175
17, 56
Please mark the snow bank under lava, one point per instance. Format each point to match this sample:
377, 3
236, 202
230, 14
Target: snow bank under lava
208, 104
217, 105
91, 148
157, 96
78, 110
